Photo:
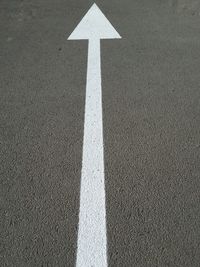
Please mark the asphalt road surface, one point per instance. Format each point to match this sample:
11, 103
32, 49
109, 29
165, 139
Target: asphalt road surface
151, 119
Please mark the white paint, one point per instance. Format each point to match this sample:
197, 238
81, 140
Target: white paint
94, 25
92, 240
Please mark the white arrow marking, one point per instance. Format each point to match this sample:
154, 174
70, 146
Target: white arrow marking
92, 241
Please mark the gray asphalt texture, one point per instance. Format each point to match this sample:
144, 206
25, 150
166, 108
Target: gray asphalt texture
151, 111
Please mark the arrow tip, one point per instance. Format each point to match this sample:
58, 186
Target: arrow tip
94, 25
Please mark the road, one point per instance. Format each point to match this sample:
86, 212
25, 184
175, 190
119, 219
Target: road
151, 129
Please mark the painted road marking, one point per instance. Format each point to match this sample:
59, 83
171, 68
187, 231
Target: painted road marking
92, 240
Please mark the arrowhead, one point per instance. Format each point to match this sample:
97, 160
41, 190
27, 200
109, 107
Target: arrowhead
94, 25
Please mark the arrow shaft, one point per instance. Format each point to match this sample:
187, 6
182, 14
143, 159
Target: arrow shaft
92, 242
